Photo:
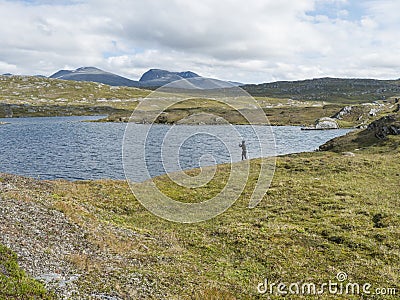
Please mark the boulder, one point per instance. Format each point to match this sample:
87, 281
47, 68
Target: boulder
373, 112
326, 123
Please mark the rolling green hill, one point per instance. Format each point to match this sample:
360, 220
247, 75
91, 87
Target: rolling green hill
38, 96
328, 89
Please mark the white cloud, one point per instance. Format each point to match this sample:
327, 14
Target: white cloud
252, 41
7, 68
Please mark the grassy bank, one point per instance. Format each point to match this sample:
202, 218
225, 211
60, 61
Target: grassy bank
324, 213
14, 283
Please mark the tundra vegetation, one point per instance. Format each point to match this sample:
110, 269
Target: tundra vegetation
325, 212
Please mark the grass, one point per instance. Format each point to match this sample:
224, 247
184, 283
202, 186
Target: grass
23, 96
280, 112
14, 283
301, 115
33, 96
323, 213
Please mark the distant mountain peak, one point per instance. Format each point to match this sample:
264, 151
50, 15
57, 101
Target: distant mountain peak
188, 74
95, 75
89, 69
60, 73
159, 77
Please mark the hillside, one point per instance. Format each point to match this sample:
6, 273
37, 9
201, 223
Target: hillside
381, 134
328, 89
94, 75
38, 96
157, 77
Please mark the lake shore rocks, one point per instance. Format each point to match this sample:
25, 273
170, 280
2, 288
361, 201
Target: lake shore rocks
323, 124
376, 133
388, 125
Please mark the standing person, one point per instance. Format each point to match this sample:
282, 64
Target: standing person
244, 150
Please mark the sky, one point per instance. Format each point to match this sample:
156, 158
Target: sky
250, 41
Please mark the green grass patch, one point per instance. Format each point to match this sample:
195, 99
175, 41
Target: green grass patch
14, 283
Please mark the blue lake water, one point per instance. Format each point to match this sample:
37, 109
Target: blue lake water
66, 147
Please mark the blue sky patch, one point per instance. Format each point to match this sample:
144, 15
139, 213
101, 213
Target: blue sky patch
349, 10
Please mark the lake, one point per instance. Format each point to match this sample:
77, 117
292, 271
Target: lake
67, 148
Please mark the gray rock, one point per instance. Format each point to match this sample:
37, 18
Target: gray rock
344, 111
351, 154
326, 123
373, 112
388, 125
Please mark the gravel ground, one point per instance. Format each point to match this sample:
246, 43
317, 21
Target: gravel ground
45, 240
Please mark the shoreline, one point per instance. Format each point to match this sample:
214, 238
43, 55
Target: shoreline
101, 119
111, 237
345, 132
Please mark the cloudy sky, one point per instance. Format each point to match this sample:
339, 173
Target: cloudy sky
249, 41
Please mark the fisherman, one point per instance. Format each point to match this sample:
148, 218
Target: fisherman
244, 150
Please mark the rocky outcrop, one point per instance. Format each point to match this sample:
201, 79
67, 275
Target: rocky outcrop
343, 112
363, 114
389, 125
326, 123
373, 112
375, 134
202, 119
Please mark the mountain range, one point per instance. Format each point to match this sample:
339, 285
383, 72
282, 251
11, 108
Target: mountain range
153, 78
322, 89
